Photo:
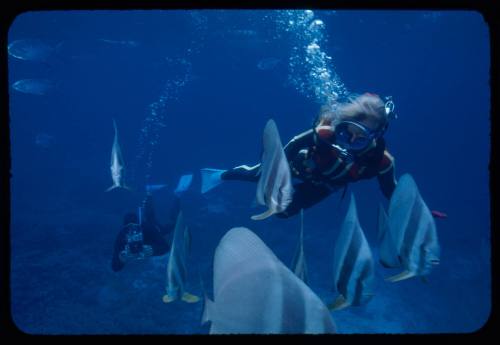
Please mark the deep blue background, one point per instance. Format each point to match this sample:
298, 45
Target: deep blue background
434, 64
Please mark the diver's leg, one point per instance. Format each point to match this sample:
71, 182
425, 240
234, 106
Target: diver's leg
305, 195
242, 173
211, 178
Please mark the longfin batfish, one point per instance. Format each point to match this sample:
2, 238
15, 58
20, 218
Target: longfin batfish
176, 267
353, 268
274, 188
412, 232
255, 293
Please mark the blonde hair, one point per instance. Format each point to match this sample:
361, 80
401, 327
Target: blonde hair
366, 107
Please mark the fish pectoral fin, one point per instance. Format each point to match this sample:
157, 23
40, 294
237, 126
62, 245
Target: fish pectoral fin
168, 299
264, 215
401, 276
189, 298
339, 303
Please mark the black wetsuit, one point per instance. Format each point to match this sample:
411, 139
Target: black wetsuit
323, 169
154, 234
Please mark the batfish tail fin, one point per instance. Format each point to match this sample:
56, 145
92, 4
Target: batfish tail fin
111, 188
339, 303
401, 276
207, 310
264, 215
189, 298
168, 299
205, 316
118, 186
210, 178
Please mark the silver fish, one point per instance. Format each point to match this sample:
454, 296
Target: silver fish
268, 63
37, 87
411, 232
176, 267
255, 293
44, 140
353, 269
31, 50
122, 43
117, 166
299, 265
274, 188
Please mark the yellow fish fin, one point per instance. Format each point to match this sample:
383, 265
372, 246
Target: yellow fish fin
187, 297
401, 276
168, 299
340, 303
264, 215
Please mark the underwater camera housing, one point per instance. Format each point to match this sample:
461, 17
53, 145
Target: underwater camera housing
135, 249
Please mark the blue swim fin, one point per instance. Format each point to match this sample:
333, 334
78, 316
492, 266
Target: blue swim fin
154, 187
210, 178
184, 183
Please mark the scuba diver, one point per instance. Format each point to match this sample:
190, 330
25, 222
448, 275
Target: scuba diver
345, 145
142, 236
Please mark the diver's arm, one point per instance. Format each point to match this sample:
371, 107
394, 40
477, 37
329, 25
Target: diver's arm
386, 175
301, 141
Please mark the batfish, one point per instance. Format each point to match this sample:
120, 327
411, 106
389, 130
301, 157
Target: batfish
411, 240
353, 269
176, 267
255, 293
274, 188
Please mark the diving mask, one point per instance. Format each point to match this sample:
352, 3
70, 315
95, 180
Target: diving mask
363, 136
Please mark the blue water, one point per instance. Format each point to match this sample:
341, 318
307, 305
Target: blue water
194, 89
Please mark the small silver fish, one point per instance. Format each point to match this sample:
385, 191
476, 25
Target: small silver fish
37, 87
122, 43
268, 64
117, 165
31, 50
